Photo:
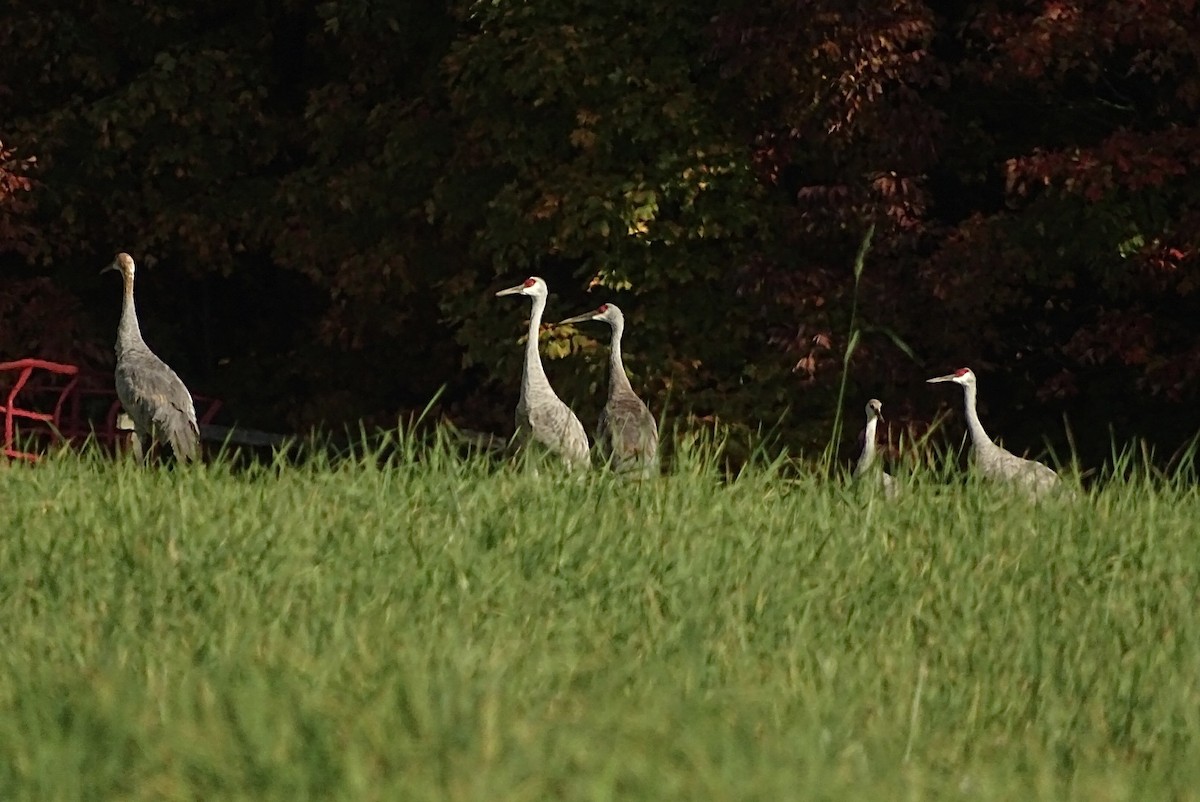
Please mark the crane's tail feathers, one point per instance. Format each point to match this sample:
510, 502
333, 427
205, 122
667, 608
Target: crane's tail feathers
186, 444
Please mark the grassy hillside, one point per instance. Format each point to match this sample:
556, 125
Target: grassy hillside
445, 629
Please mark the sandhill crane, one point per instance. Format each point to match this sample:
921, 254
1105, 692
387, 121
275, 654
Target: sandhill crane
990, 460
866, 464
151, 393
541, 414
626, 431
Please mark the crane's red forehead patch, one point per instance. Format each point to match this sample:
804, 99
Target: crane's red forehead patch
962, 371
529, 282
603, 308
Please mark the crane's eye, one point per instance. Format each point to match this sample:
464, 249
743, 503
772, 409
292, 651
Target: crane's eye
529, 282
962, 371
603, 308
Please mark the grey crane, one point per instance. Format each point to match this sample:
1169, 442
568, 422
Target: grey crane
152, 394
866, 464
990, 460
541, 414
626, 431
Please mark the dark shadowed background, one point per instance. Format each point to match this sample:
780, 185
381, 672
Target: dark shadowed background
323, 197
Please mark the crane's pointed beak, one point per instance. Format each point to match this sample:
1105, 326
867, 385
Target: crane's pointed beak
879, 414
948, 378
576, 319
110, 266
511, 290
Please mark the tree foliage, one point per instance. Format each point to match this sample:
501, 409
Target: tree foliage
325, 196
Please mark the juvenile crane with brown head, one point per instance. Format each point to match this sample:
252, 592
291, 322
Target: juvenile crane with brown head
152, 394
867, 464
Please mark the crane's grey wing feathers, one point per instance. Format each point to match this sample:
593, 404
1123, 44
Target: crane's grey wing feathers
630, 434
159, 404
1002, 465
557, 428
182, 431
1037, 477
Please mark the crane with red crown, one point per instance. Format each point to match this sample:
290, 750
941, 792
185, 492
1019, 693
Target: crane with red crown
627, 432
990, 460
541, 415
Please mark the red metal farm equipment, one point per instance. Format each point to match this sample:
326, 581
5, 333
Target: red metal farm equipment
45, 402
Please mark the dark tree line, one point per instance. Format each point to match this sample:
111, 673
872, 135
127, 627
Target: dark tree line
324, 195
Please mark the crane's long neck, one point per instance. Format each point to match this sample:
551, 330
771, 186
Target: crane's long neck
129, 335
535, 375
617, 380
868, 452
979, 437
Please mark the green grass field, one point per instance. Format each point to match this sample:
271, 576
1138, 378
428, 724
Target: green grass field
450, 630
